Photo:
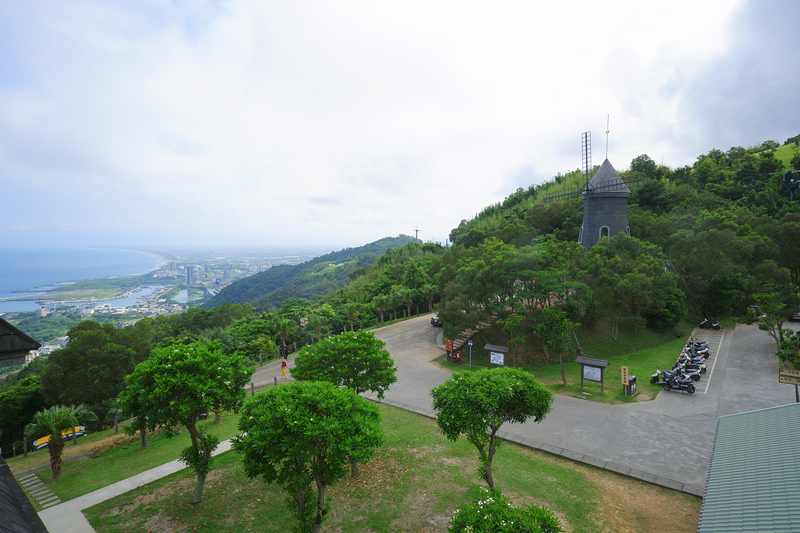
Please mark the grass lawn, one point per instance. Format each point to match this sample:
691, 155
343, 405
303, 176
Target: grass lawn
117, 457
414, 483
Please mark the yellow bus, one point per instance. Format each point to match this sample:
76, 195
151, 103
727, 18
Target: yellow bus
40, 443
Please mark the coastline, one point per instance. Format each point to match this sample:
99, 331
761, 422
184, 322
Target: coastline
78, 291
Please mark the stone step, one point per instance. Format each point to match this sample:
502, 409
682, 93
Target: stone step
38, 491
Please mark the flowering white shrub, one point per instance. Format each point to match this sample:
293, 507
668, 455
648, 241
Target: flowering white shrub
493, 513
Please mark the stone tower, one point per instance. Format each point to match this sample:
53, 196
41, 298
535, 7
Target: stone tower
605, 206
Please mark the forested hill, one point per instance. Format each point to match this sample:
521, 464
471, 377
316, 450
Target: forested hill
739, 179
266, 290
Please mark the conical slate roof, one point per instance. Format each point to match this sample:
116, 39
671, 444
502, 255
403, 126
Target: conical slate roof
607, 180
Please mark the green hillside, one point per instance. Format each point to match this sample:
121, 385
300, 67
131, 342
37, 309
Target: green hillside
706, 240
319, 276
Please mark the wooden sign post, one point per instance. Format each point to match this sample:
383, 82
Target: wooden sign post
791, 376
592, 370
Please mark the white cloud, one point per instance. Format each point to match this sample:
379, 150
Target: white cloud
312, 122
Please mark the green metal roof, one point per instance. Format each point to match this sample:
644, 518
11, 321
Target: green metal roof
754, 478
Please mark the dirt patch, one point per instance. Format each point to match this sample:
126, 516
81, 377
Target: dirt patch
163, 524
420, 504
118, 439
110, 442
653, 508
644, 395
625, 505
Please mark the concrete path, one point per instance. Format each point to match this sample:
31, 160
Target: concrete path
68, 518
667, 441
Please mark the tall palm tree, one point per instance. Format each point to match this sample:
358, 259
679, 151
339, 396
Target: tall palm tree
53, 421
351, 309
380, 302
406, 296
430, 291
284, 327
317, 322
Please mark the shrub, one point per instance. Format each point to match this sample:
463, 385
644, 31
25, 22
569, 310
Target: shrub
493, 513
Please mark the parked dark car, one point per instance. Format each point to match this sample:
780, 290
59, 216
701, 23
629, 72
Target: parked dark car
435, 321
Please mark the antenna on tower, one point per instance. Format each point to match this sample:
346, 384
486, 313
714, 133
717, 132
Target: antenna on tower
586, 155
608, 119
416, 234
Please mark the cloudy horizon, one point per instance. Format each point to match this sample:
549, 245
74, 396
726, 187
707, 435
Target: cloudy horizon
318, 124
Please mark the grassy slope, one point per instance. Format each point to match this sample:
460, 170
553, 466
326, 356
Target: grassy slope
413, 484
120, 456
785, 155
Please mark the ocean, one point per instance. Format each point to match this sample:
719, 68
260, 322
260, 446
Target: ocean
31, 270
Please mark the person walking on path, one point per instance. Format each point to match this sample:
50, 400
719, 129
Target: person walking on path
284, 366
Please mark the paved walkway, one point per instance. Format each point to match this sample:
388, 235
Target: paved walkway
67, 517
667, 441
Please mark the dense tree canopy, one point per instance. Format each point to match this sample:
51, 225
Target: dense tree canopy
356, 360
179, 383
20, 403
91, 369
476, 404
306, 433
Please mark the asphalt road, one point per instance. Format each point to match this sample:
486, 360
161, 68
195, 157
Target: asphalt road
667, 441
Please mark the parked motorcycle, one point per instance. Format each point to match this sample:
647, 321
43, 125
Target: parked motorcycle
699, 352
692, 373
711, 325
691, 369
662, 376
657, 377
673, 381
685, 356
696, 343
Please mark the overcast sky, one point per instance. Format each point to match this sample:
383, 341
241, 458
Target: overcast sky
336, 123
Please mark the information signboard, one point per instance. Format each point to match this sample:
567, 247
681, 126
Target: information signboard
592, 370
497, 354
496, 358
592, 373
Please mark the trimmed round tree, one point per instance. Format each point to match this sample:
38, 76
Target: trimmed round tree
176, 385
303, 434
476, 404
356, 360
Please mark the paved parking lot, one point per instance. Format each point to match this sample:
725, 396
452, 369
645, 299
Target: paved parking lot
667, 441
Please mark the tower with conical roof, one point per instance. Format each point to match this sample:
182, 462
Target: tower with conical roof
605, 206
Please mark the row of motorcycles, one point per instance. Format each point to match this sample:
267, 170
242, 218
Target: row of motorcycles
690, 365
